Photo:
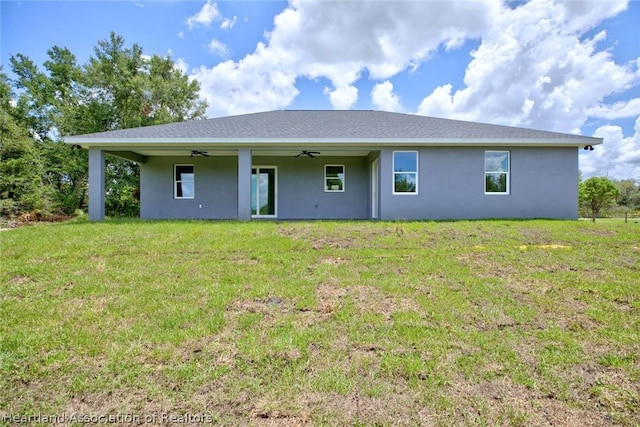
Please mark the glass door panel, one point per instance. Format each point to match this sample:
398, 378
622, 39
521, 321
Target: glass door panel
263, 192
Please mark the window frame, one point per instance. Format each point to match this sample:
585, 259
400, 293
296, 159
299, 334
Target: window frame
507, 174
394, 173
176, 181
344, 179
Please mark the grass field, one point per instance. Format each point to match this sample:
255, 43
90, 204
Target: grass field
322, 323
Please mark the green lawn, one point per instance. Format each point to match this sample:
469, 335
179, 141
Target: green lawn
323, 323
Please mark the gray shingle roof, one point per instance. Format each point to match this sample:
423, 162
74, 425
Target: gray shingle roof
329, 124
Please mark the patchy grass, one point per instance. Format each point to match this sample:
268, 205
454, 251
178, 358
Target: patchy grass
313, 323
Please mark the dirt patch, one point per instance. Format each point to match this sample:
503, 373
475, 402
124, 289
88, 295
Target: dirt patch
367, 299
502, 402
535, 236
592, 230
373, 300
355, 236
32, 218
19, 280
333, 260
262, 305
397, 407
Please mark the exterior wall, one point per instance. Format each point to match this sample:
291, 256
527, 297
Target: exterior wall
544, 184
216, 188
300, 188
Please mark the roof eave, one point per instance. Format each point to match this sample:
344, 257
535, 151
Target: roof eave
360, 142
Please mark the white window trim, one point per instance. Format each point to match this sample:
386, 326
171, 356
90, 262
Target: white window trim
175, 182
393, 173
508, 173
344, 179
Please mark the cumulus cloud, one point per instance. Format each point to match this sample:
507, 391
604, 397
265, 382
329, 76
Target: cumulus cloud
618, 157
259, 82
383, 97
342, 97
216, 47
205, 16
617, 110
228, 24
340, 40
535, 68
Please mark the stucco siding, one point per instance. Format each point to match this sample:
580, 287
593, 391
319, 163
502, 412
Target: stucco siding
216, 188
300, 188
543, 184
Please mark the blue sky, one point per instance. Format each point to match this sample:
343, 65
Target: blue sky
569, 66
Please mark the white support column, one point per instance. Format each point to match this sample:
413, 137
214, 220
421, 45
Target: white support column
244, 184
96, 184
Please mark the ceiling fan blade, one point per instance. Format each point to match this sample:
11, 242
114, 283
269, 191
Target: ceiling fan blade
307, 153
199, 153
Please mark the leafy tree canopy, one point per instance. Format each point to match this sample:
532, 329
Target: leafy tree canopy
598, 193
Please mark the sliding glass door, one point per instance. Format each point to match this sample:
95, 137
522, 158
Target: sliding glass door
263, 192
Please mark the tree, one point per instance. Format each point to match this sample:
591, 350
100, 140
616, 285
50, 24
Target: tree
597, 193
141, 91
52, 104
629, 194
21, 186
118, 88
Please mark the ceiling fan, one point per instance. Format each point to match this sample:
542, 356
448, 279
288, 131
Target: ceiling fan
199, 153
307, 153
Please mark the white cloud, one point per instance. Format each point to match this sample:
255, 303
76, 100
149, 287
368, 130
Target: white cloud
228, 24
216, 47
383, 97
618, 157
342, 97
180, 35
534, 68
181, 65
340, 40
618, 110
205, 16
259, 82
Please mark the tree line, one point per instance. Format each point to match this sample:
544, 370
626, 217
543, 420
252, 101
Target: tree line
119, 87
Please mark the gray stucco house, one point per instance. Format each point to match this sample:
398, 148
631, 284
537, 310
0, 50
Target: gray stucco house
342, 165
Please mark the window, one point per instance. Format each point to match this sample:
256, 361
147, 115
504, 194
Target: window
334, 178
405, 172
496, 172
184, 187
